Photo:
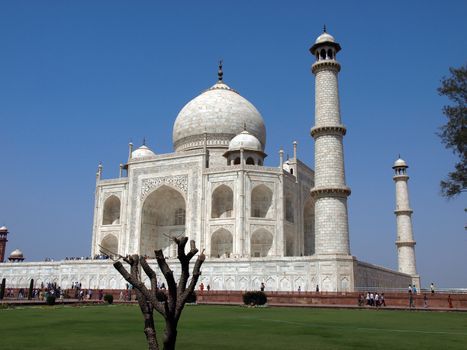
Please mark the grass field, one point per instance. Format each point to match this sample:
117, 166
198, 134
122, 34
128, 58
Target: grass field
229, 327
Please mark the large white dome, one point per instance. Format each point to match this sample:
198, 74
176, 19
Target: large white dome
220, 113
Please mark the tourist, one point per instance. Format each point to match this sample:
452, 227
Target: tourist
317, 289
372, 299
410, 289
376, 299
208, 287
414, 289
450, 301
411, 302
382, 301
361, 300
368, 298
299, 289
262, 286
432, 287
201, 287
425, 301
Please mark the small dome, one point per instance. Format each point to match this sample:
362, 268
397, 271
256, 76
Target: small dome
400, 163
246, 141
325, 37
142, 152
16, 254
3, 228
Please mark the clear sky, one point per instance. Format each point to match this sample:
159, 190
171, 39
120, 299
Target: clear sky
79, 79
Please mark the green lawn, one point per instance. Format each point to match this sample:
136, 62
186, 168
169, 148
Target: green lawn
233, 327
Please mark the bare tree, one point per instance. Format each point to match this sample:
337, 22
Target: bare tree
170, 306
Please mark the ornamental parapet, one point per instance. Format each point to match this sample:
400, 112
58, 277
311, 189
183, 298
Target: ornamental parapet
339, 130
330, 192
405, 243
325, 65
403, 211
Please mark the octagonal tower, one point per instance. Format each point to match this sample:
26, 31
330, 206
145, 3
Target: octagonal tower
330, 191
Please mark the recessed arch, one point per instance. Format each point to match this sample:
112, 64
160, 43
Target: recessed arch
309, 226
289, 210
261, 202
237, 161
111, 214
260, 243
222, 202
110, 244
221, 243
250, 161
162, 217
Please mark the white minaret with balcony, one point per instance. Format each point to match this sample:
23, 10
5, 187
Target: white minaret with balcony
330, 191
405, 242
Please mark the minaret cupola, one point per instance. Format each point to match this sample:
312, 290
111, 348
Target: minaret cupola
325, 47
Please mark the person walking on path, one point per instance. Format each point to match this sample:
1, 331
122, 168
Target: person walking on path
411, 303
432, 287
425, 301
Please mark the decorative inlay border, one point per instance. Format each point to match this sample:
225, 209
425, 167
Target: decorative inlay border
179, 181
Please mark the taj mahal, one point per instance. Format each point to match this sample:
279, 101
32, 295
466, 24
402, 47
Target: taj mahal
285, 226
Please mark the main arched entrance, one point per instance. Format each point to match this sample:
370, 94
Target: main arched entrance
162, 217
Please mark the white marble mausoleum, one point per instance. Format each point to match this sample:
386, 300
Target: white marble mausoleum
283, 225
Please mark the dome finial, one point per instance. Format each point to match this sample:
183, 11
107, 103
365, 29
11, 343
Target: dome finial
144, 141
220, 73
324, 28
244, 126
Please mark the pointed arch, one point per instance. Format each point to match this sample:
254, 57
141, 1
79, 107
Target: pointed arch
221, 243
260, 243
222, 202
110, 244
261, 202
309, 226
111, 214
162, 217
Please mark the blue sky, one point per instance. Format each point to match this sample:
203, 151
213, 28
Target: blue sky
80, 79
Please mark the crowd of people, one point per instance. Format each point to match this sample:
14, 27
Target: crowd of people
372, 299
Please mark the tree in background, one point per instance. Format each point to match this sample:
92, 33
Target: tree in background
170, 306
454, 133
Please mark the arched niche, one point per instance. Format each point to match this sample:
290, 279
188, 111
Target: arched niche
261, 202
289, 243
250, 161
111, 215
162, 217
222, 202
109, 245
260, 243
289, 209
309, 226
221, 243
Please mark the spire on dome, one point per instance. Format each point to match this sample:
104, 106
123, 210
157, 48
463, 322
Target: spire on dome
324, 28
220, 73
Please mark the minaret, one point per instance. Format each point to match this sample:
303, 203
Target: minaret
3, 240
330, 191
405, 242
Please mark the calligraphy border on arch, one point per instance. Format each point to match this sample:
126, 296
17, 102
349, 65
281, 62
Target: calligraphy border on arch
178, 181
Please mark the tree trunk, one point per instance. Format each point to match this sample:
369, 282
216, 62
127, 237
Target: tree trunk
170, 334
150, 332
